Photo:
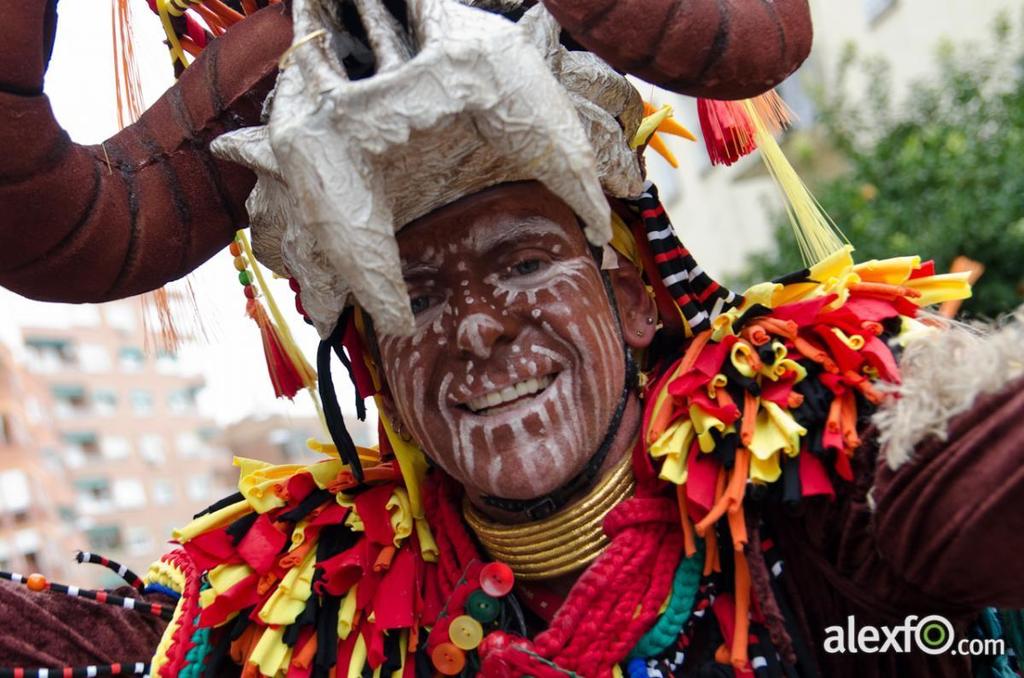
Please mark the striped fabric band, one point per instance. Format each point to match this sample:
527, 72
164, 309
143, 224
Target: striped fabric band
92, 671
700, 298
122, 570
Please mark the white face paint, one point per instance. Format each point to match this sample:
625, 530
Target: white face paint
519, 363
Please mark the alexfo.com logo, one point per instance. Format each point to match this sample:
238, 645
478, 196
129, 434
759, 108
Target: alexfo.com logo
933, 634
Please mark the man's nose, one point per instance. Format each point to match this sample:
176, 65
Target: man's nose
477, 334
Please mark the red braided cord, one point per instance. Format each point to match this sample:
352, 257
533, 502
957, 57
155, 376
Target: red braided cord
599, 623
447, 570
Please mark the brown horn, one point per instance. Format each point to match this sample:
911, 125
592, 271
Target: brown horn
718, 49
92, 223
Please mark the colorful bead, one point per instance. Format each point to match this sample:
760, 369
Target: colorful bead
465, 632
497, 579
36, 582
235, 248
244, 278
294, 285
448, 659
482, 607
240, 264
250, 292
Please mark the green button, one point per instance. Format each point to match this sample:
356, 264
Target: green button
482, 607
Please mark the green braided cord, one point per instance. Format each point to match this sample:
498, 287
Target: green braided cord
684, 591
1013, 631
201, 649
991, 628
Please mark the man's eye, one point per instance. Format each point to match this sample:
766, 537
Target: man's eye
526, 266
420, 303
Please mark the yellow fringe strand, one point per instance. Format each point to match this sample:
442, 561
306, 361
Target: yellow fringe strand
816, 234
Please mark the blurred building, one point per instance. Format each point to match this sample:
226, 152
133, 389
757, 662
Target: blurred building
281, 439
723, 214
135, 449
36, 527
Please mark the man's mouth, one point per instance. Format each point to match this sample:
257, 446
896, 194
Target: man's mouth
489, 402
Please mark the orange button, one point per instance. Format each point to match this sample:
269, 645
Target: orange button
448, 659
497, 579
465, 632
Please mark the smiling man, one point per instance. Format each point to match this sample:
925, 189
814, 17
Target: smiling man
594, 460
516, 371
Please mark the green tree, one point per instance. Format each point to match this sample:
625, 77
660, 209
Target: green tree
939, 175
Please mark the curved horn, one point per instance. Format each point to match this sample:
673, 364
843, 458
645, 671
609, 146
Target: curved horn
92, 223
718, 49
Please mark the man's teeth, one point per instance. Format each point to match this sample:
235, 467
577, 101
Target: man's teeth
510, 393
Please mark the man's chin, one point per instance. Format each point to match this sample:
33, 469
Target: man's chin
527, 476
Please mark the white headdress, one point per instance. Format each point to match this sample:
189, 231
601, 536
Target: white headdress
460, 100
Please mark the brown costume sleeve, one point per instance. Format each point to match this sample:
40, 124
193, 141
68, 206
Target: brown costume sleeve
92, 223
951, 520
50, 630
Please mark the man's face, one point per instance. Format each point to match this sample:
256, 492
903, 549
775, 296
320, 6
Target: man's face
516, 365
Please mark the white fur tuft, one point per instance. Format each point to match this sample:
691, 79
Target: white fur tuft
943, 372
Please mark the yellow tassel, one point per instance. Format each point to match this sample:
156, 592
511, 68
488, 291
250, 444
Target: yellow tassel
816, 234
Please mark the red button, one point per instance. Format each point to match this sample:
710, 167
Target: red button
448, 659
496, 579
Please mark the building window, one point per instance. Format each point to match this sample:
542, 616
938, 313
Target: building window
6, 429
198, 487
94, 495
182, 401
875, 9
69, 400
151, 449
163, 492
79, 446
34, 410
121, 317
104, 538
129, 494
28, 544
142, 402
131, 358
166, 362
115, 447
15, 494
50, 354
187, 444
94, 357
138, 541
104, 402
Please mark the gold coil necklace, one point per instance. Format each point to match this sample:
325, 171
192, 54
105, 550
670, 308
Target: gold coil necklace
559, 544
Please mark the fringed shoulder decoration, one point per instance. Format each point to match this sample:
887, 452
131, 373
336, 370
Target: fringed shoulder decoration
773, 392
306, 572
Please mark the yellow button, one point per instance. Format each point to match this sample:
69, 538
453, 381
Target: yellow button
465, 632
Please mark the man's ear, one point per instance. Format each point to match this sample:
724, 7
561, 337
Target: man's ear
638, 311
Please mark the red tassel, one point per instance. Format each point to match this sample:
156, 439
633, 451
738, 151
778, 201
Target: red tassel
284, 373
727, 129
